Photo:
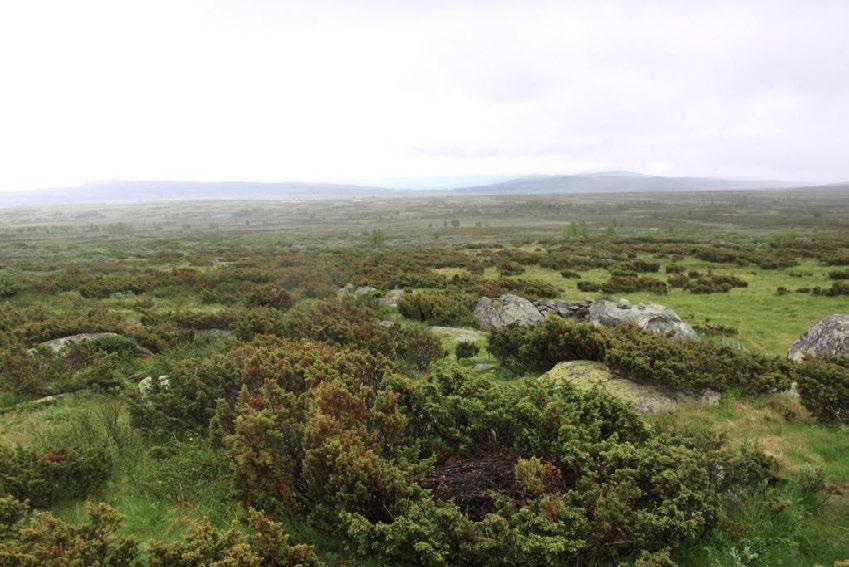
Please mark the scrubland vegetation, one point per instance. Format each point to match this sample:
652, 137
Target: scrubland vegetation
265, 401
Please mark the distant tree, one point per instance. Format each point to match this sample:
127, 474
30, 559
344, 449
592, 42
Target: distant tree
455, 223
377, 238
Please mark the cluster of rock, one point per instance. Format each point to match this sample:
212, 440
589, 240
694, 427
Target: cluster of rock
511, 309
579, 310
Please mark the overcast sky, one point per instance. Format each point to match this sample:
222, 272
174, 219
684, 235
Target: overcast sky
272, 90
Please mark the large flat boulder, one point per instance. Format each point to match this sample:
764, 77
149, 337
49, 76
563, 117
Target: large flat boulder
829, 336
586, 375
506, 310
649, 317
58, 344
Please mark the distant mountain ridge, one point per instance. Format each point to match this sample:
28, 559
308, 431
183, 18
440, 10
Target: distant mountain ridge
618, 182
121, 191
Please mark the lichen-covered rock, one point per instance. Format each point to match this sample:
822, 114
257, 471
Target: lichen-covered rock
58, 344
650, 317
506, 310
586, 375
829, 336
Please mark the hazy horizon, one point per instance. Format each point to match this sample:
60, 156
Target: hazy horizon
331, 91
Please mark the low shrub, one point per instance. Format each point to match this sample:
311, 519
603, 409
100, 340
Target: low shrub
645, 357
466, 349
823, 383
438, 308
45, 540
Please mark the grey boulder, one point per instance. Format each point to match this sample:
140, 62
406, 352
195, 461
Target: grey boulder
829, 336
650, 317
506, 310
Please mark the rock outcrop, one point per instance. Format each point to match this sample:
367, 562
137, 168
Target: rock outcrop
506, 310
586, 375
829, 336
649, 317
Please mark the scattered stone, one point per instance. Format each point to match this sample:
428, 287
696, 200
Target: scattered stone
146, 384
364, 290
710, 397
391, 297
458, 334
623, 304
483, 367
829, 336
506, 310
387, 324
651, 317
121, 294
58, 344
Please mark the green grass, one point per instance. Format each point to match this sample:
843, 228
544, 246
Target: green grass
783, 526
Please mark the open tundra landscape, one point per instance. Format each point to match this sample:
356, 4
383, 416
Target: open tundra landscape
652, 379
453, 283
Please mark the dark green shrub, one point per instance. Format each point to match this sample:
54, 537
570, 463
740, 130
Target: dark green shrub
269, 296
824, 387
466, 349
509, 268
9, 286
42, 478
438, 308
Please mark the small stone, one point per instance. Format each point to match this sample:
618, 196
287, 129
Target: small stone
623, 304
483, 367
710, 397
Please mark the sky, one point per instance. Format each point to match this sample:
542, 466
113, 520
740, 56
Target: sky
340, 90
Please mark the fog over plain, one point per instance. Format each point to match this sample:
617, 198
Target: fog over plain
340, 91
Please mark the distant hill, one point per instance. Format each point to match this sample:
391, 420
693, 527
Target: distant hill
120, 191
616, 182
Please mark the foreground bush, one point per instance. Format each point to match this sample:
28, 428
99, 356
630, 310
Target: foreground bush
46, 541
582, 472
